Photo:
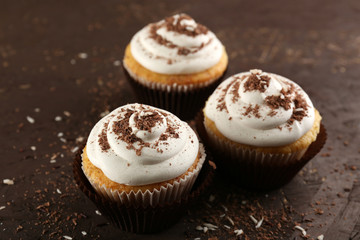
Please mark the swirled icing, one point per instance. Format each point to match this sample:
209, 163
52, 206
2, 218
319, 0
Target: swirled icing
260, 109
176, 45
138, 145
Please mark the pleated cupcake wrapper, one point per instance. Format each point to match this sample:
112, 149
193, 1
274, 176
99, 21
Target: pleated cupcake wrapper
140, 219
182, 100
256, 170
168, 194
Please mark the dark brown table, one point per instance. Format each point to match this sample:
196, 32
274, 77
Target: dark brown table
60, 69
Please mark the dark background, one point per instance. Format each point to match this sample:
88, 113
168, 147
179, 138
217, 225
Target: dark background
43, 75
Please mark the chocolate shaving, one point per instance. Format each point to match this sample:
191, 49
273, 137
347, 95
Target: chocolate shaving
147, 122
103, 141
275, 102
175, 25
235, 92
252, 110
183, 28
256, 82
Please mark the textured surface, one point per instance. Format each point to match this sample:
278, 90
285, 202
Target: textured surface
60, 65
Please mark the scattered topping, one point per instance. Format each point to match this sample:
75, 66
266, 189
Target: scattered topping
30, 119
117, 63
75, 149
83, 233
320, 237
303, 232
259, 223
2, 207
230, 220
82, 55
182, 24
238, 232
33, 148
211, 198
67, 237
103, 141
98, 212
8, 181
257, 82
58, 118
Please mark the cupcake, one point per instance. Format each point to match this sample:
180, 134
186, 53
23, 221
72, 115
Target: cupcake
174, 64
141, 158
263, 128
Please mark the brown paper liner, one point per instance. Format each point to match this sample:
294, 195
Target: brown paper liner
141, 219
183, 102
256, 175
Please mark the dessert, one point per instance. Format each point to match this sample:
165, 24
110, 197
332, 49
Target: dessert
174, 64
140, 155
262, 125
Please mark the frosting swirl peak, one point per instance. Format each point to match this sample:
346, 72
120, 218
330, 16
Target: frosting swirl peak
176, 45
260, 109
137, 145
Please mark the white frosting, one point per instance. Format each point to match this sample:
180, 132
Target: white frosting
205, 49
160, 160
249, 119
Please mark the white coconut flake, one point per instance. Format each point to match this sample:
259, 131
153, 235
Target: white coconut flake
320, 237
238, 232
205, 229
37, 110
30, 119
8, 181
199, 228
209, 225
230, 220
117, 63
211, 198
225, 208
83, 55
303, 232
259, 223
72, 61
53, 161
197, 238
98, 212
226, 226
60, 134
33, 148
256, 71
253, 219
58, 118
2, 207
75, 149
103, 114
67, 237
63, 140
222, 215
83, 233
58, 191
